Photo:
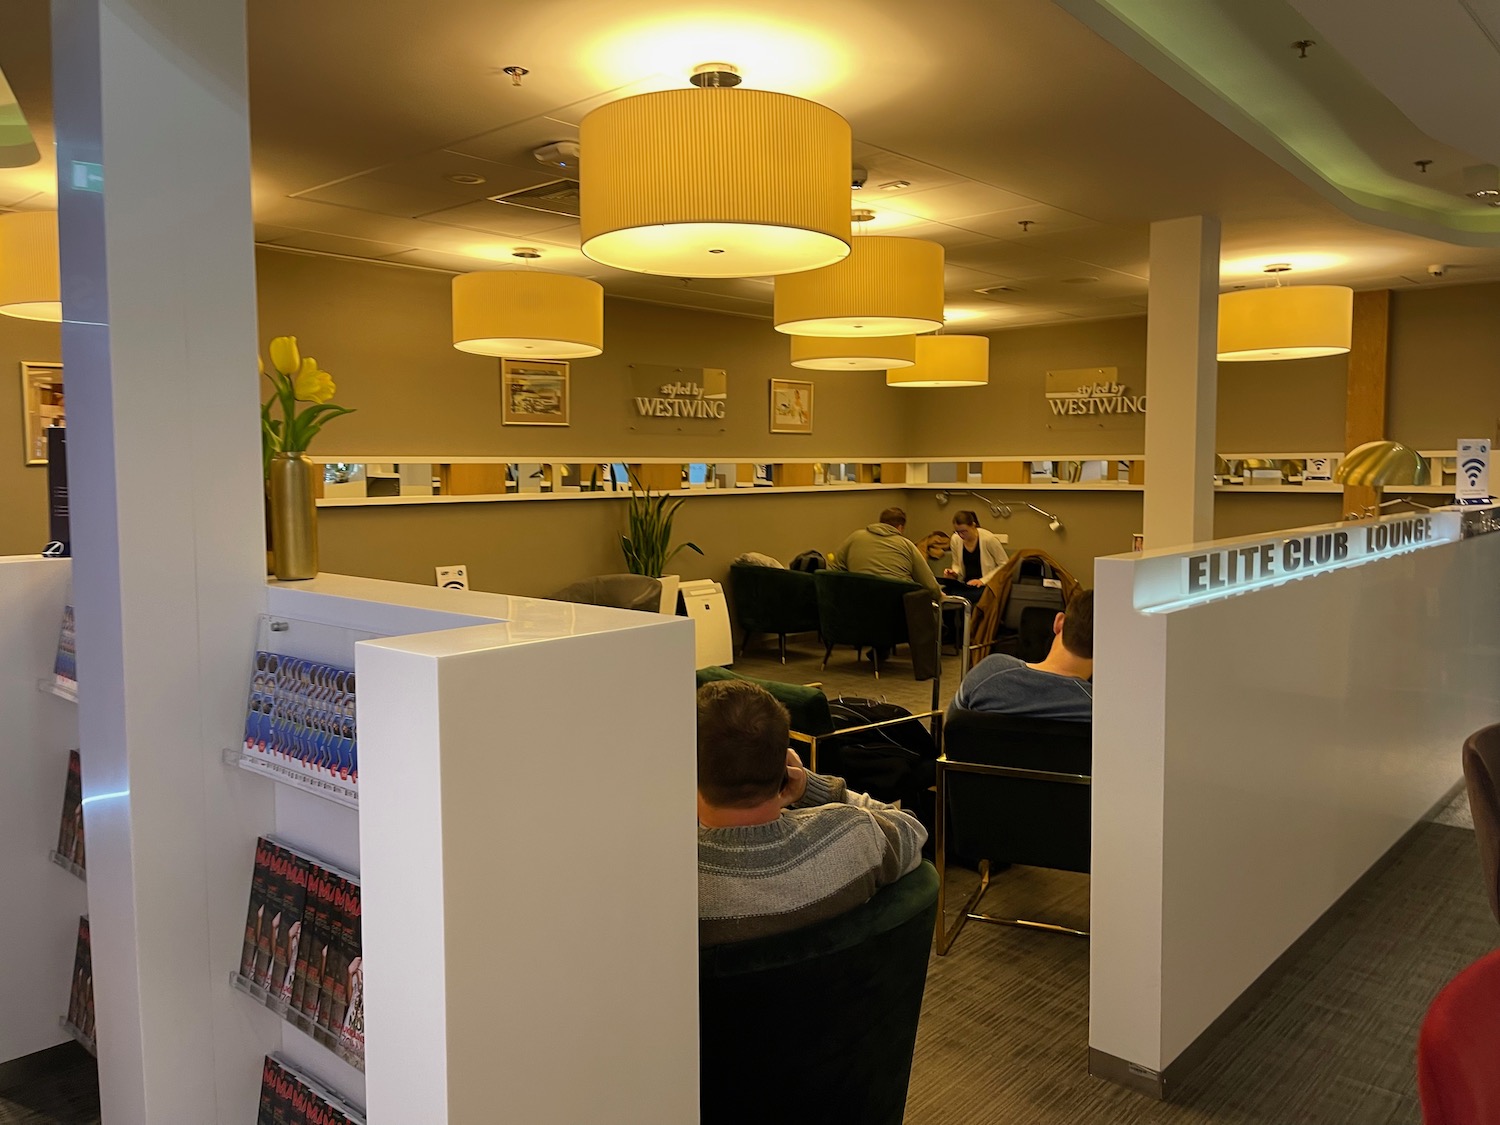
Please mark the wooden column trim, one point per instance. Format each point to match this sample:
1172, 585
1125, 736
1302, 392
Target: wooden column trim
1364, 409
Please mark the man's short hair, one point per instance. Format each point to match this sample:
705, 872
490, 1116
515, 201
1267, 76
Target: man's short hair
893, 516
1078, 625
742, 743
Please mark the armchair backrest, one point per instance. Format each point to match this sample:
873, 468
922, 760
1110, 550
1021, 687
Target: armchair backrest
1482, 777
855, 983
808, 706
1038, 812
861, 609
768, 599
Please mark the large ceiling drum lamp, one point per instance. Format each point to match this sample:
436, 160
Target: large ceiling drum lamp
853, 353
885, 287
528, 314
714, 181
29, 284
946, 361
1285, 322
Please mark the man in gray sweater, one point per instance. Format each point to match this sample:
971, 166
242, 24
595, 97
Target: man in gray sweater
780, 848
882, 549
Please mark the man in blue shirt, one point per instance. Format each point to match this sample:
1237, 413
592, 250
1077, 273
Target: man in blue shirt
1059, 687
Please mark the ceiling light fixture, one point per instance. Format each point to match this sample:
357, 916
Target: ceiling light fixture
885, 287
853, 353
1285, 322
946, 361
715, 181
30, 288
528, 314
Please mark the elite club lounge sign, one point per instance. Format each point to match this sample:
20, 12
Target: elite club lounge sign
1174, 581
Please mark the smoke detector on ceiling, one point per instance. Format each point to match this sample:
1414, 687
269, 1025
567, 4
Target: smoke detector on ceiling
559, 154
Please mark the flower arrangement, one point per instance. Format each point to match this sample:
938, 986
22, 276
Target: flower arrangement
294, 378
648, 546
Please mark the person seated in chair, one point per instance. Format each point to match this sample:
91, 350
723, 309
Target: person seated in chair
1058, 687
978, 556
780, 848
883, 550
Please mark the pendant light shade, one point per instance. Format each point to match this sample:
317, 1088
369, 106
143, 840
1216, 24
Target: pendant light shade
29, 284
885, 287
1289, 322
946, 361
714, 182
528, 314
853, 353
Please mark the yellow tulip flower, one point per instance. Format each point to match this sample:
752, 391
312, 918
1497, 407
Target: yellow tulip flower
312, 385
285, 357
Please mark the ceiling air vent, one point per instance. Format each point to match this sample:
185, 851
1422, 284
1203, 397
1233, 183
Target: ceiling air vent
999, 292
557, 197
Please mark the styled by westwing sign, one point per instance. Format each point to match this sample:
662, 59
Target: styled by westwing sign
1091, 398
1171, 581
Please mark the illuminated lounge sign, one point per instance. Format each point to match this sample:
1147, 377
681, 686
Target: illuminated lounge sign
1234, 566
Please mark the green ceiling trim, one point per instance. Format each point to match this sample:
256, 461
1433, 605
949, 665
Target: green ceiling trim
1234, 61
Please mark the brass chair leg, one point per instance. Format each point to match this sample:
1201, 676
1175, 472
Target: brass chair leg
945, 936
782, 638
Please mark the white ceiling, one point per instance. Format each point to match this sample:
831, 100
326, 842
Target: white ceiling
997, 112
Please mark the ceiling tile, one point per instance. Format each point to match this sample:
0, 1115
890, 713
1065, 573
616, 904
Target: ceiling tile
420, 185
503, 219
514, 144
1043, 220
956, 201
338, 244
1013, 260
884, 167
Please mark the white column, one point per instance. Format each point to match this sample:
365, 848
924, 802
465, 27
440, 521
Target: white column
1182, 379
158, 346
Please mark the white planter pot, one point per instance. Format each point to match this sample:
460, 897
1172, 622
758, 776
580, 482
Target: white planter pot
669, 583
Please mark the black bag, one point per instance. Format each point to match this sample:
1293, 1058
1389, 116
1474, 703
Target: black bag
892, 763
1036, 583
810, 561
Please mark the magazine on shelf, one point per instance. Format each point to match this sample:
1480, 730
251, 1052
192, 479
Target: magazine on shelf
81, 993
301, 716
70, 827
302, 944
65, 666
256, 918
290, 1097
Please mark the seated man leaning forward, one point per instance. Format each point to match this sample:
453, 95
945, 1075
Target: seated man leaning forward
883, 550
780, 848
1057, 688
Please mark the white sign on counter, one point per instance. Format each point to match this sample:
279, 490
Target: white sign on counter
1216, 570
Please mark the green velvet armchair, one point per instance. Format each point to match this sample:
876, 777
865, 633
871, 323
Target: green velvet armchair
818, 1025
861, 610
768, 599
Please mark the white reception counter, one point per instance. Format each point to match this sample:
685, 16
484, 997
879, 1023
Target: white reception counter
1271, 716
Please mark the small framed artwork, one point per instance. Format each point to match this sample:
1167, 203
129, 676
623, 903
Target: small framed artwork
533, 392
41, 406
791, 407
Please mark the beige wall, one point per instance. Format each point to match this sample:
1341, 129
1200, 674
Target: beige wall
1445, 347
23, 488
383, 332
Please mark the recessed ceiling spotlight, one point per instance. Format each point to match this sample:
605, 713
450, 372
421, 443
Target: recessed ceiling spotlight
895, 185
468, 179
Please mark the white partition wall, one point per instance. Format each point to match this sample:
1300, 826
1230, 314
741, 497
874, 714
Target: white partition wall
42, 901
529, 870
1255, 753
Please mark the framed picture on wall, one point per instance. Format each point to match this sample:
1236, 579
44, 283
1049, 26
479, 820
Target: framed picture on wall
533, 392
791, 407
41, 406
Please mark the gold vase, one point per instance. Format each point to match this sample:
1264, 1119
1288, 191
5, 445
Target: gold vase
294, 527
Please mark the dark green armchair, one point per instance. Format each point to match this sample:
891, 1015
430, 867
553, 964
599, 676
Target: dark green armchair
805, 704
818, 1025
862, 610
768, 599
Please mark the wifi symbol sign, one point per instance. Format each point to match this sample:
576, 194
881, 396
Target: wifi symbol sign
1473, 468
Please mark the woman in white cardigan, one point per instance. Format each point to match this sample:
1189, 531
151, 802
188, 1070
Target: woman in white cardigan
977, 554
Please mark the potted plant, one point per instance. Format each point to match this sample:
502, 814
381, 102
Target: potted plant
648, 545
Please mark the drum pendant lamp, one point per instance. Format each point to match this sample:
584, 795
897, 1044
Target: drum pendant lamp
30, 288
528, 314
946, 361
853, 353
885, 287
1285, 322
714, 181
